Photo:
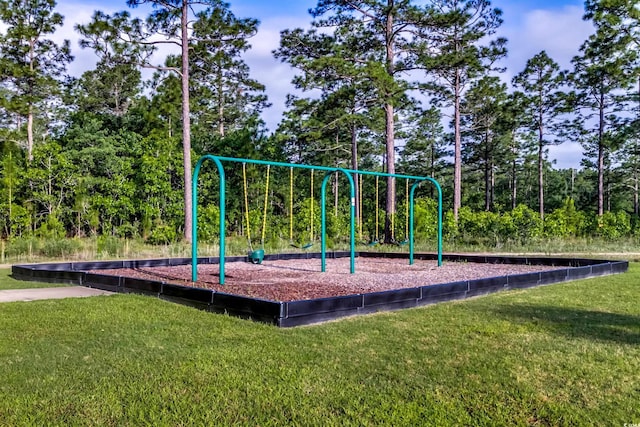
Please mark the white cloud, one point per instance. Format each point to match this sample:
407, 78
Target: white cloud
559, 32
271, 72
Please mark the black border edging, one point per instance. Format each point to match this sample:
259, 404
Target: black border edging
304, 312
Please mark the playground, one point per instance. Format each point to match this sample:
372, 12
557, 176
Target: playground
301, 279
303, 287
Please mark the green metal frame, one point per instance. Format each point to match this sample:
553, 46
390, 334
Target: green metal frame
329, 170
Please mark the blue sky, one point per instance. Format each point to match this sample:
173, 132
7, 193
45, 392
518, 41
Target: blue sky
530, 26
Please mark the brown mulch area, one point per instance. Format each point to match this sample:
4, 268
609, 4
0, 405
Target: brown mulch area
291, 280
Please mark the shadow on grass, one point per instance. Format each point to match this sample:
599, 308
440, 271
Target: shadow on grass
576, 323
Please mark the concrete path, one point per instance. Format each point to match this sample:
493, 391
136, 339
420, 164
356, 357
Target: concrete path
49, 293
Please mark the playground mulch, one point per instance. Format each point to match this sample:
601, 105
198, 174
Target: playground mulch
293, 280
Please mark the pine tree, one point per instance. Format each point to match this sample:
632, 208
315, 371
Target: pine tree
459, 56
541, 82
382, 40
31, 65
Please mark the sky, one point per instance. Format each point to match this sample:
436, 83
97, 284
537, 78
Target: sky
530, 26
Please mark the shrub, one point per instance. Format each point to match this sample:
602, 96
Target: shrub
21, 246
565, 221
613, 225
521, 224
208, 223
162, 235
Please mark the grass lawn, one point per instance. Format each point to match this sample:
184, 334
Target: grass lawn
566, 354
7, 282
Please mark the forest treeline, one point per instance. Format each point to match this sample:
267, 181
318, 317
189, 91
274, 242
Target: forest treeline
384, 85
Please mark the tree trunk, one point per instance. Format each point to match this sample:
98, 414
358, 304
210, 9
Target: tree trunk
221, 102
354, 166
30, 134
514, 178
186, 124
601, 158
487, 175
541, 166
457, 150
30, 113
389, 129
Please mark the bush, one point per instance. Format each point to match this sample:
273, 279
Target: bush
22, 246
565, 221
208, 223
521, 224
162, 235
613, 225
52, 228
426, 219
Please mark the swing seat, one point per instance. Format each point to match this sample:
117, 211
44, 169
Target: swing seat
403, 242
307, 246
256, 257
375, 242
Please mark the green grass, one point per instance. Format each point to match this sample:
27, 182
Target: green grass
566, 354
7, 282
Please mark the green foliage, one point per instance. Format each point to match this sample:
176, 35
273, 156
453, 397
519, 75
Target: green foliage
522, 224
22, 246
613, 225
162, 234
59, 248
426, 219
209, 223
565, 221
51, 229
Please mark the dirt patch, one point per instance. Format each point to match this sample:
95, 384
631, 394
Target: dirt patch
292, 280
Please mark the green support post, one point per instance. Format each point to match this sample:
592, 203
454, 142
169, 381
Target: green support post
323, 220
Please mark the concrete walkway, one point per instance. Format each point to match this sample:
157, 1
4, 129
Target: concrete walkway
11, 295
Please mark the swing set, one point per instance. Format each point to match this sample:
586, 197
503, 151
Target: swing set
377, 239
257, 256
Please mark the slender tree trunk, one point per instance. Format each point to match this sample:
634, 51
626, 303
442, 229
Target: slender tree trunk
636, 152
354, 166
457, 150
30, 113
601, 158
514, 178
541, 165
186, 124
635, 192
389, 129
487, 175
221, 101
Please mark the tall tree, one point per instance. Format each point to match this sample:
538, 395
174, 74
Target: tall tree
227, 96
31, 65
170, 22
110, 87
620, 19
388, 36
599, 75
541, 82
459, 30
483, 106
